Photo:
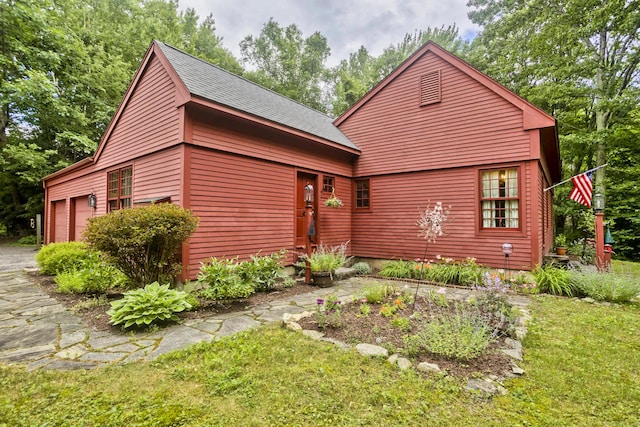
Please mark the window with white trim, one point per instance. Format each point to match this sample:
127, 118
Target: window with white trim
500, 204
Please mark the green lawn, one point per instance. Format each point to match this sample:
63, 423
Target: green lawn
582, 368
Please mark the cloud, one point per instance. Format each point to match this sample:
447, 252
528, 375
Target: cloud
347, 24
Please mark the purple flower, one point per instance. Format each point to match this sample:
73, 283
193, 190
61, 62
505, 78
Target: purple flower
319, 301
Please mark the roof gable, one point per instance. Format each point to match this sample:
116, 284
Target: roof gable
207, 81
533, 117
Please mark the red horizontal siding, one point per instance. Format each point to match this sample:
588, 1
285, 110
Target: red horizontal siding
245, 206
158, 175
334, 224
389, 229
225, 133
149, 122
471, 125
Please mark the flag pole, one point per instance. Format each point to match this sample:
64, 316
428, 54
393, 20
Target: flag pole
567, 180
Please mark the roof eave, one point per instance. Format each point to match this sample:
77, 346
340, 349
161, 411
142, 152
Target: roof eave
262, 121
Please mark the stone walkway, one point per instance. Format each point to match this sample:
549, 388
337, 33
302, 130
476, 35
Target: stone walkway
38, 331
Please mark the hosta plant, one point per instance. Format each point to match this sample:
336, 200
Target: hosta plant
151, 304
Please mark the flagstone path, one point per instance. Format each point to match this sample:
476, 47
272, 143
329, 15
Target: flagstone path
38, 331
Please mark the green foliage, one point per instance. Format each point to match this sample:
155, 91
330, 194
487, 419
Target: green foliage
288, 63
307, 382
554, 281
376, 293
152, 304
611, 287
143, 242
328, 312
582, 249
65, 66
223, 281
263, 272
231, 279
466, 273
28, 240
326, 259
93, 275
399, 269
61, 257
460, 336
362, 268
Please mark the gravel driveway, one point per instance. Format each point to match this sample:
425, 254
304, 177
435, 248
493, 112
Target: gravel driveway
16, 258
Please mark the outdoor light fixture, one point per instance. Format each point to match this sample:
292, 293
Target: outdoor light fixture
507, 249
308, 194
93, 201
598, 202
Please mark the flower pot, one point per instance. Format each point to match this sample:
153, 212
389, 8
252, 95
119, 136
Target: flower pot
561, 250
322, 279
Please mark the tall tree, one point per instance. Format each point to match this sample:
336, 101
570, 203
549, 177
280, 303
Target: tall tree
288, 63
64, 67
568, 56
578, 59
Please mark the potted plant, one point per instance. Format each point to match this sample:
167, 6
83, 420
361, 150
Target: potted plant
333, 201
324, 262
561, 244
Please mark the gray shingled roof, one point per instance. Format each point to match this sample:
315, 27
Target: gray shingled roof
222, 87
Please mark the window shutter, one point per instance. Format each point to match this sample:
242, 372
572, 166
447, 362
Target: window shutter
430, 88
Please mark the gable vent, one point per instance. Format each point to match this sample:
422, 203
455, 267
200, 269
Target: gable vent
430, 88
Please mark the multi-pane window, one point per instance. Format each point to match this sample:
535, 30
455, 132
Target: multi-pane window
363, 196
500, 203
328, 183
119, 189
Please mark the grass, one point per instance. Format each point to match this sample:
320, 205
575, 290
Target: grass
582, 368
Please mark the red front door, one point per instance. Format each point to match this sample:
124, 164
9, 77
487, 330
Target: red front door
301, 232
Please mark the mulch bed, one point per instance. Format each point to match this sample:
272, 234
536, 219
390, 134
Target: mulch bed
379, 330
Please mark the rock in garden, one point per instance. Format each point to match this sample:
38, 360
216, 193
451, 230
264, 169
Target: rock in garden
313, 334
428, 367
484, 386
293, 326
371, 350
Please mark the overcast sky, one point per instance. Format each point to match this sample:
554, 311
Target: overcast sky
347, 24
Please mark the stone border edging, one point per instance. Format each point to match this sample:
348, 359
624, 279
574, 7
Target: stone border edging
488, 387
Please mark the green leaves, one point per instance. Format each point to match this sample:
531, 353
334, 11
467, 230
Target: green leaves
154, 303
143, 242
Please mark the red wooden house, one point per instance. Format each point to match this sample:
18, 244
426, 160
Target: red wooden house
239, 155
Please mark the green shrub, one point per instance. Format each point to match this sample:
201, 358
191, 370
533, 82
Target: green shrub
223, 281
154, 303
399, 269
461, 336
466, 273
263, 272
143, 242
328, 258
70, 282
61, 257
554, 281
93, 276
28, 240
362, 267
607, 286
376, 293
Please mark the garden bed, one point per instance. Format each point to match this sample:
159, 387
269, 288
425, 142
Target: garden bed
352, 327
93, 310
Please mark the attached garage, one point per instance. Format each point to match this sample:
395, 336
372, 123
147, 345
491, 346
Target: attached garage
81, 212
59, 216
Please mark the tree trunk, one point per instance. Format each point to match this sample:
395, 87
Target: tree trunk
602, 116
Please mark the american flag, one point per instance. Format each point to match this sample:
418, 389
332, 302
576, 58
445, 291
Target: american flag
582, 188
